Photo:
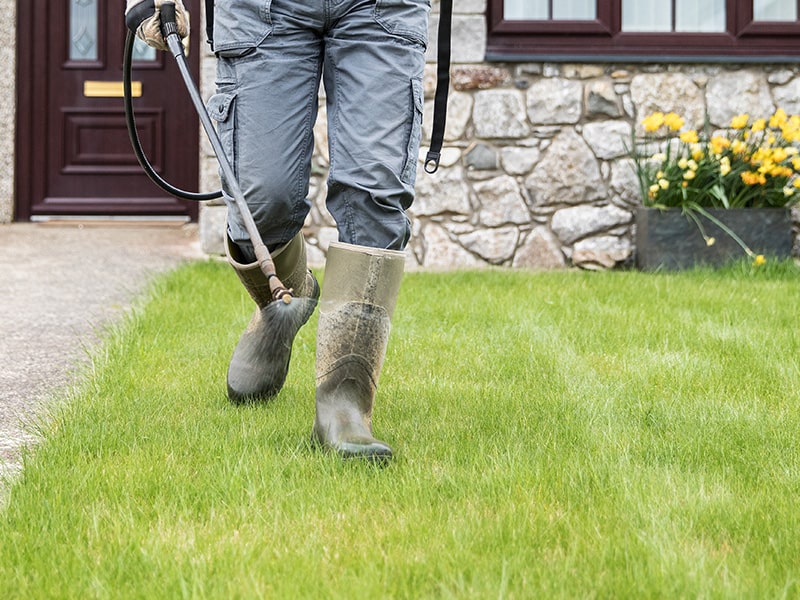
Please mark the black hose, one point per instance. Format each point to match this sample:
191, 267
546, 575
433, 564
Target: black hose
130, 120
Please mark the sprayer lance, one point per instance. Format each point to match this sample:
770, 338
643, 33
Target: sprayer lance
169, 29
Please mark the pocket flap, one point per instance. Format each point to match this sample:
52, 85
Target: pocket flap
219, 106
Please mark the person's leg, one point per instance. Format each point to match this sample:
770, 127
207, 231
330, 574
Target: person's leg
266, 103
373, 70
374, 61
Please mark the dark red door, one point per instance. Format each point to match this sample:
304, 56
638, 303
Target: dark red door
73, 153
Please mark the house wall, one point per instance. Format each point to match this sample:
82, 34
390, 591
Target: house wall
8, 64
534, 173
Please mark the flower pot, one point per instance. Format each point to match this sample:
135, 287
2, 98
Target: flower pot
669, 239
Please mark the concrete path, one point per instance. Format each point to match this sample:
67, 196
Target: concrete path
60, 284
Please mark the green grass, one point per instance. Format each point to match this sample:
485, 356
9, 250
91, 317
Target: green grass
558, 435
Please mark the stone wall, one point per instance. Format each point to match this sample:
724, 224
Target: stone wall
534, 173
8, 112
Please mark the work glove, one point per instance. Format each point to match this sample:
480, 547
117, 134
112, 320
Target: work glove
144, 17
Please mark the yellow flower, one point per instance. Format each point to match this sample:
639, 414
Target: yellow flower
674, 121
724, 166
689, 175
719, 144
654, 189
796, 183
780, 171
766, 167
710, 241
778, 119
759, 125
738, 147
683, 163
653, 122
740, 121
761, 155
779, 155
689, 137
663, 184
791, 129
759, 260
751, 178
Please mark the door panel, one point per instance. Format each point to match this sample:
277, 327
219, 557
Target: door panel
73, 152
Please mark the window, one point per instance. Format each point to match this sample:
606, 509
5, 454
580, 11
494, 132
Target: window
678, 30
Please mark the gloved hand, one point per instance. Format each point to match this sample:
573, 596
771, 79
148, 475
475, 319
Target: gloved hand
145, 17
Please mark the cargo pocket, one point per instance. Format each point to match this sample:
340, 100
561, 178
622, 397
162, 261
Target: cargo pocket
415, 136
220, 108
240, 26
404, 18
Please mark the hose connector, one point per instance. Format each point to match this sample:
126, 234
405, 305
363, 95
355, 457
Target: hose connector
169, 19
139, 14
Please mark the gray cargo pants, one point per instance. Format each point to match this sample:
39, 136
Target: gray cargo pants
370, 55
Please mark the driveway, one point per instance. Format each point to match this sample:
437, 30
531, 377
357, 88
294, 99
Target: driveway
60, 285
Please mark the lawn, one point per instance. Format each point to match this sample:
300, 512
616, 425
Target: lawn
557, 435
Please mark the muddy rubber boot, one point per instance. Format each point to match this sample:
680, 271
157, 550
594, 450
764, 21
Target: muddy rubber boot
356, 306
261, 359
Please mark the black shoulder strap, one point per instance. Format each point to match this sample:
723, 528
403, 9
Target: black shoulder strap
210, 22
442, 87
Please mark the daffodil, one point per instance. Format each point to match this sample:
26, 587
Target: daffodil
724, 166
753, 178
778, 119
740, 121
689, 137
674, 121
653, 122
719, 144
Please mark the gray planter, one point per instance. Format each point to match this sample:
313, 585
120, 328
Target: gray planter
668, 239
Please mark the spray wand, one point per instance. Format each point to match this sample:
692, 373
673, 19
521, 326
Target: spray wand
169, 29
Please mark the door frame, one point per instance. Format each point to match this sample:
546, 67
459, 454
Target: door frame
33, 89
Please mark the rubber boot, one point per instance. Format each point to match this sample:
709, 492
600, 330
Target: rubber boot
260, 361
358, 299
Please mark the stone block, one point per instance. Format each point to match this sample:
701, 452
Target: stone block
568, 173
501, 202
733, 93
667, 92
539, 250
608, 139
213, 225
577, 222
500, 114
555, 101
